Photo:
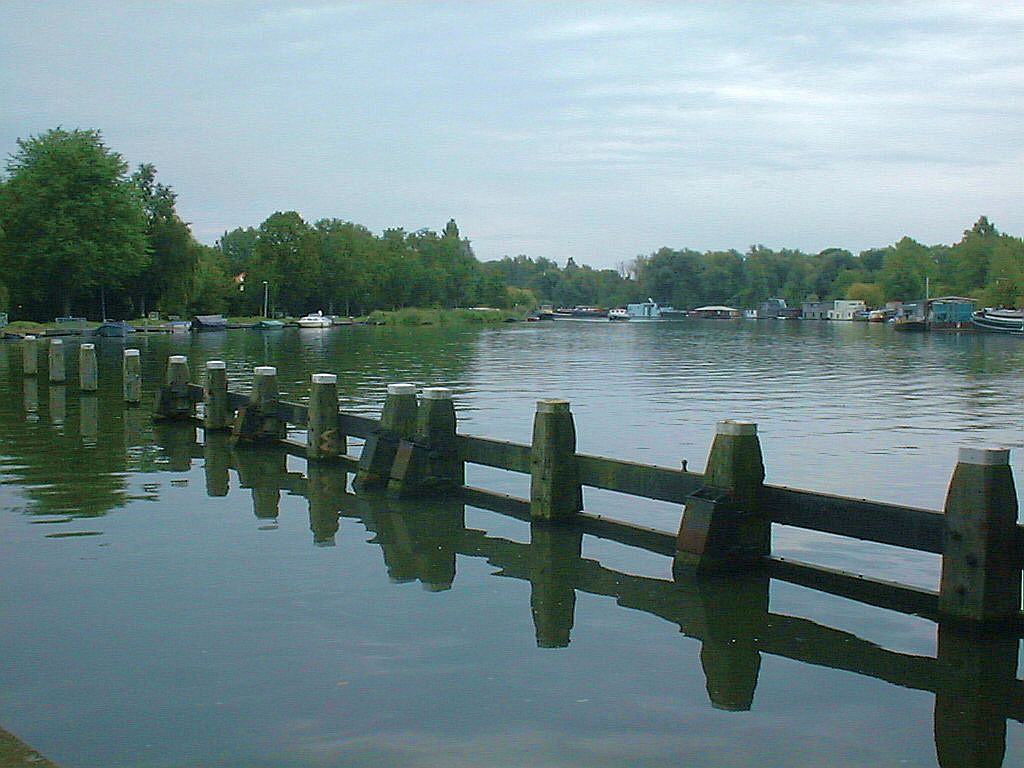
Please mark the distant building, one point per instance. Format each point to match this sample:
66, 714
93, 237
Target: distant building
770, 309
816, 310
845, 309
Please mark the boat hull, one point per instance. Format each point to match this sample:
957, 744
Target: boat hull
999, 322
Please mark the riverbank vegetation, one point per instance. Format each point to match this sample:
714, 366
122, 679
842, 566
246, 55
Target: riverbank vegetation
80, 234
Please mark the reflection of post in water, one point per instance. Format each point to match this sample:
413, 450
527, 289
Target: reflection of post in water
88, 412
134, 424
555, 552
31, 399
216, 462
732, 613
177, 440
58, 404
263, 470
325, 484
419, 540
970, 717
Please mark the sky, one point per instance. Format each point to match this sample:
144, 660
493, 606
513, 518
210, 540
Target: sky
591, 130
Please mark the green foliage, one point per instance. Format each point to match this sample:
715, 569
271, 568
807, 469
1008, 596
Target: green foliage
71, 220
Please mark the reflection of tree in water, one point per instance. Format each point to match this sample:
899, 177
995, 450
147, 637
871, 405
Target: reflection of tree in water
68, 453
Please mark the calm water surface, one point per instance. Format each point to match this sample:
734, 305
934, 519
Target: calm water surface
169, 601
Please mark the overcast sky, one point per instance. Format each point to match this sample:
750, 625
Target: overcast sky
592, 130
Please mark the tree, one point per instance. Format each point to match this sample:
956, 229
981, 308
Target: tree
72, 222
287, 257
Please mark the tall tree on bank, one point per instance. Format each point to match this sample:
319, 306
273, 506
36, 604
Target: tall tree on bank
167, 282
72, 224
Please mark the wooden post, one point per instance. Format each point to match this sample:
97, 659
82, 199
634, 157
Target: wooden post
215, 396
173, 401
258, 421
323, 436
981, 576
397, 422
131, 374
724, 527
30, 356
555, 490
88, 375
58, 374
429, 463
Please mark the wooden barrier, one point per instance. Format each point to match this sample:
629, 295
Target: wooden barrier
729, 508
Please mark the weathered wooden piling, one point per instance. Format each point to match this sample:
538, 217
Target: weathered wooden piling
258, 420
30, 356
555, 490
58, 373
429, 463
131, 376
981, 579
217, 414
88, 372
724, 527
324, 438
173, 400
397, 422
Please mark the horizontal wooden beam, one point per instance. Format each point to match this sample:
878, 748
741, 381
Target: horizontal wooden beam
919, 529
495, 453
650, 482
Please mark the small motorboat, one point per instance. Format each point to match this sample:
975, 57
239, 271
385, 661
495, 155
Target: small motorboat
269, 325
618, 314
319, 320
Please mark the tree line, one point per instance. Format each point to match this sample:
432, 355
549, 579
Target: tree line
81, 234
985, 265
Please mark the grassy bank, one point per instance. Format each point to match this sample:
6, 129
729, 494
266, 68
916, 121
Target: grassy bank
414, 316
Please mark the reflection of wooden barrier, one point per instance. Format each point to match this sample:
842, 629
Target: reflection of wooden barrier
973, 675
726, 525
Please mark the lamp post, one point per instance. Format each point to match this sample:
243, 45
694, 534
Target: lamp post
266, 294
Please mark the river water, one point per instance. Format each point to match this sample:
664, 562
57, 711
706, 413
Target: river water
170, 601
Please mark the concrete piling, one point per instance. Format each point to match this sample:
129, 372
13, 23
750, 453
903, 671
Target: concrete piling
173, 401
981, 578
397, 423
724, 527
131, 376
30, 356
323, 437
429, 463
555, 490
88, 373
217, 415
258, 420
58, 373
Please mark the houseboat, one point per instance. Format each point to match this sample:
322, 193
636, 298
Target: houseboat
715, 312
644, 310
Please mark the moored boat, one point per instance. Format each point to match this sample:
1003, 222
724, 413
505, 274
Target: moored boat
618, 314
209, 323
114, 329
999, 320
319, 320
268, 325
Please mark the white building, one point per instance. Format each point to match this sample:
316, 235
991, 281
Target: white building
844, 310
